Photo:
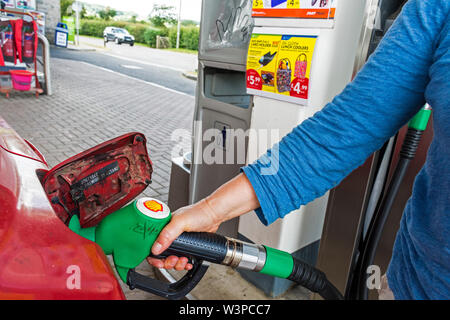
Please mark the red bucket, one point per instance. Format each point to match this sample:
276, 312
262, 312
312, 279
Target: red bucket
21, 79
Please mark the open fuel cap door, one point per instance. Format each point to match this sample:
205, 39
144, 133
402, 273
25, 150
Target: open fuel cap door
99, 181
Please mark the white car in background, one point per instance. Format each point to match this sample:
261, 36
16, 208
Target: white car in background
118, 35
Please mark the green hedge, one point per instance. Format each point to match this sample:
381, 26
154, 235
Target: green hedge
143, 33
151, 33
189, 37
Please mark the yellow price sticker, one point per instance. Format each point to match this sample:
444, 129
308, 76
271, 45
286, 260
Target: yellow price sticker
293, 4
258, 4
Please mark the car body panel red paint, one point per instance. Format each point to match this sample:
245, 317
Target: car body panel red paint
10, 141
40, 258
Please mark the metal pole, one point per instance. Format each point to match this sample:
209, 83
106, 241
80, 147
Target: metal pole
179, 25
46, 58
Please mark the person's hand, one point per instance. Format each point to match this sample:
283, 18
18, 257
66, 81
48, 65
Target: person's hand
196, 218
231, 200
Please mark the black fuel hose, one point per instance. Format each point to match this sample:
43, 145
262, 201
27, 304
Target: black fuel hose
370, 244
314, 280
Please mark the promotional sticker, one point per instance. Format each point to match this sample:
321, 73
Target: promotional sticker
262, 59
279, 66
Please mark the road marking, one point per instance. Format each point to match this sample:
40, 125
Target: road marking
131, 67
144, 62
136, 79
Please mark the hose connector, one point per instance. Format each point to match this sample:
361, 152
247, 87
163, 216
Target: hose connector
244, 255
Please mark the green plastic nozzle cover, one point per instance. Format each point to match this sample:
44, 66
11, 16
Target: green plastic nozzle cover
127, 234
421, 119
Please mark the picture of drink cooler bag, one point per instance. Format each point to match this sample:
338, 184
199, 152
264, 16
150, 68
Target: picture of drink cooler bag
8, 48
301, 65
284, 75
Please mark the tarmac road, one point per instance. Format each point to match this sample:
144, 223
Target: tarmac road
164, 68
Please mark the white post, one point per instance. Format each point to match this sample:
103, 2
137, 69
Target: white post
77, 6
179, 25
78, 28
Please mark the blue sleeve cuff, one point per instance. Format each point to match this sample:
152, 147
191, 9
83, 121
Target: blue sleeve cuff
267, 212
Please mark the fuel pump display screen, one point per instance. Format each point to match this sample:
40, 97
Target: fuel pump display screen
279, 66
306, 9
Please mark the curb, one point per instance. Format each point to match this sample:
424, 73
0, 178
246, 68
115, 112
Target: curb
82, 49
190, 75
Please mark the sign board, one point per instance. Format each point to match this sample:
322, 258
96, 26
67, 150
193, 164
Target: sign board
279, 64
305, 9
26, 4
9, 4
77, 6
61, 39
70, 22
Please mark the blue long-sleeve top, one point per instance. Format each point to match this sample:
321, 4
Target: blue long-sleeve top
410, 68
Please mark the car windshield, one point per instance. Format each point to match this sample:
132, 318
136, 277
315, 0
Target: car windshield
121, 31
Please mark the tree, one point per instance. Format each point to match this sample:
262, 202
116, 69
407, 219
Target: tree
162, 15
133, 18
107, 14
66, 7
83, 13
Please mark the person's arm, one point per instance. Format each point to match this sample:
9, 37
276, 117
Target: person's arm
324, 149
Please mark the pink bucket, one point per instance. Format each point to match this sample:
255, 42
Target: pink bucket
21, 79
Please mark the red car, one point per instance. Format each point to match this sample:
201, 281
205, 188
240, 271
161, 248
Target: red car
40, 257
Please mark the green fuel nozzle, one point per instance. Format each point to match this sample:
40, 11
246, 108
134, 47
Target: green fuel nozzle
416, 129
421, 119
129, 233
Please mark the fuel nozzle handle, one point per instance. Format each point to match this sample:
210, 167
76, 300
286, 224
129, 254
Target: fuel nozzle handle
200, 245
218, 249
